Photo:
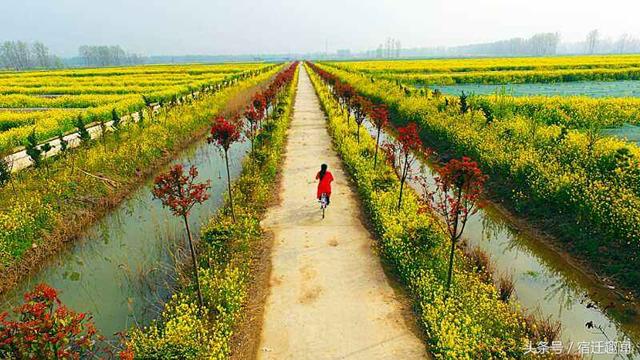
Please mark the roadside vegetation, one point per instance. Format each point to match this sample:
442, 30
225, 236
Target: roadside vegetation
227, 248
465, 317
564, 175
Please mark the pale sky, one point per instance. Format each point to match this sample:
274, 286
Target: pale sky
212, 27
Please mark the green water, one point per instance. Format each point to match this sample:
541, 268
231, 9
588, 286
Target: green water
122, 269
627, 132
627, 88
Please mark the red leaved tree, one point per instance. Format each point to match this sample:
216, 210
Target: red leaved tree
379, 116
410, 143
179, 192
259, 103
361, 107
46, 329
459, 185
223, 134
253, 117
345, 95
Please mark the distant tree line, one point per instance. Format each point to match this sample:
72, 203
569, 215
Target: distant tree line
541, 44
595, 44
96, 56
537, 45
20, 55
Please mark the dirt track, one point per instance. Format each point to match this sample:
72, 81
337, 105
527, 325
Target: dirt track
329, 296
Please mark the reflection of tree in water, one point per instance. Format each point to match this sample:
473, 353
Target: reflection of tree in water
150, 283
565, 294
634, 349
493, 228
497, 227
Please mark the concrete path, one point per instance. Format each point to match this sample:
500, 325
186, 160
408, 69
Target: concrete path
329, 296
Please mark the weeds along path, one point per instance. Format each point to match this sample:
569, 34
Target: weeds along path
329, 296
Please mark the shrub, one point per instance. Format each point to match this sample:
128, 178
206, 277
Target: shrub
46, 329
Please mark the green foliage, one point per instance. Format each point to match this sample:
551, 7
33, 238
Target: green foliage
46, 147
115, 119
5, 172
83, 133
48, 199
464, 105
32, 149
472, 322
548, 159
64, 144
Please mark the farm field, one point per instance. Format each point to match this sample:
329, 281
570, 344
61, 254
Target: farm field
151, 293
106, 191
35, 201
548, 155
501, 70
50, 102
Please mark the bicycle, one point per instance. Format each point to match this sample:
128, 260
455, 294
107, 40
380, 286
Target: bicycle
324, 201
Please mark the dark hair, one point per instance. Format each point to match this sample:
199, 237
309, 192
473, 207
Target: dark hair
323, 170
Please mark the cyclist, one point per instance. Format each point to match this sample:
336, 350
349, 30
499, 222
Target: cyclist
324, 186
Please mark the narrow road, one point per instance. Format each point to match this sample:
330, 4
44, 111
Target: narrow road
329, 296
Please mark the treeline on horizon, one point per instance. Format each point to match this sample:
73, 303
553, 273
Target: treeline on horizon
20, 55
541, 44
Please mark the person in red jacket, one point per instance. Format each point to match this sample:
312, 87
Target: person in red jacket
324, 186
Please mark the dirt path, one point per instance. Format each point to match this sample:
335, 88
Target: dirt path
329, 296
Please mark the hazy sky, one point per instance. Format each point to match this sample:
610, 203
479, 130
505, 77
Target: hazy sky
258, 26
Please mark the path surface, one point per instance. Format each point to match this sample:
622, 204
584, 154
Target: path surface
329, 296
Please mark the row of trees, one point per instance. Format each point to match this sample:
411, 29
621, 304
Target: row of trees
178, 190
20, 55
95, 56
459, 184
595, 43
537, 45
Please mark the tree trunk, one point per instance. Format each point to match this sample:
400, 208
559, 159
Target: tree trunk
226, 160
450, 274
358, 134
375, 155
454, 238
195, 262
403, 179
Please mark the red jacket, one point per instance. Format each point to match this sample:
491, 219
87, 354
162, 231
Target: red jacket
325, 184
